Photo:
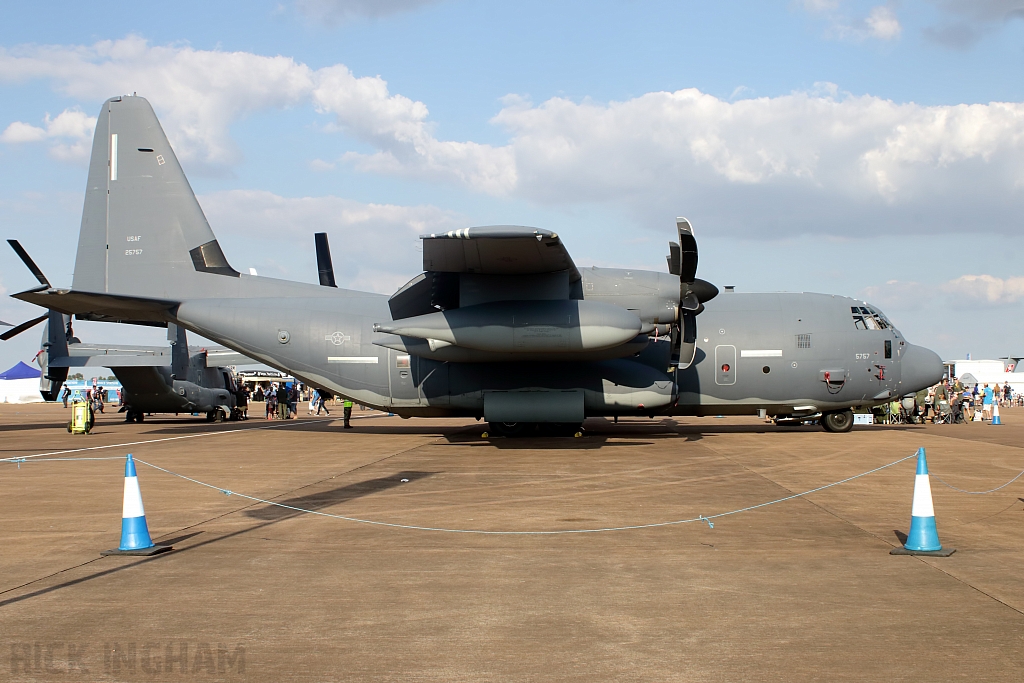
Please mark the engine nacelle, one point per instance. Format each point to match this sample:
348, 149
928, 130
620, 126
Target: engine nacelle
563, 326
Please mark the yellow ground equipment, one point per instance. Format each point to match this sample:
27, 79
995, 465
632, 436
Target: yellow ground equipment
81, 418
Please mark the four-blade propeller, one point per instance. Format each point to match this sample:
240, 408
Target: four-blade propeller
693, 292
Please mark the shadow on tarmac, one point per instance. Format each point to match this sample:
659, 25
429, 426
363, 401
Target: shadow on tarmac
269, 516
324, 499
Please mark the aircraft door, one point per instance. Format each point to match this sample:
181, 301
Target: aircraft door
404, 391
725, 364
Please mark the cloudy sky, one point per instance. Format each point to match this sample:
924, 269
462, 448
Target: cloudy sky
873, 149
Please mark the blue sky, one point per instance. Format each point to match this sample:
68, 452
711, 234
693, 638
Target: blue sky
864, 148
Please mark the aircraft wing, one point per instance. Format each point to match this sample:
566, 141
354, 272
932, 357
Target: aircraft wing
219, 356
497, 250
106, 356
123, 356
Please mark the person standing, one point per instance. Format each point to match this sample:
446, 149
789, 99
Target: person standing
271, 401
314, 396
347, 411
242, 398
65, 394
940, 394
282, 401
293, 402
986, 403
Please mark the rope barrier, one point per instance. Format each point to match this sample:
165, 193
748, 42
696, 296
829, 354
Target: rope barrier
700, 518
979, 493
24, 458
707, 519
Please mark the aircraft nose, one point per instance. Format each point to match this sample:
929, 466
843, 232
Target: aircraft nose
920, 368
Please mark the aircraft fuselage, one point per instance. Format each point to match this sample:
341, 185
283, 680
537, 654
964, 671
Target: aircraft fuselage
784, 353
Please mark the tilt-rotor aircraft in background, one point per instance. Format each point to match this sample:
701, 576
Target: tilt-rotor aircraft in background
501, 325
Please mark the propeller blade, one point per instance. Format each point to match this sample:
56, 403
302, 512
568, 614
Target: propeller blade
675, 258
689, 302
688, 247
323, 260
8, 324
687, 346
15, 331
27, 260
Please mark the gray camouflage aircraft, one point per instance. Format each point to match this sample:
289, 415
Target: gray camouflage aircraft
154, 379
501, 325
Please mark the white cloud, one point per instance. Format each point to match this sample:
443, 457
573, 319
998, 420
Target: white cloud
803, 163
985, 290
896, 295
70, 133
200, 93
22, 132
373, 246
333, 11
321, 165
883, 24
398, 128
881, 21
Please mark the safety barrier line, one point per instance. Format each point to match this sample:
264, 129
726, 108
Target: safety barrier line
978, 493
412, 527
23, 458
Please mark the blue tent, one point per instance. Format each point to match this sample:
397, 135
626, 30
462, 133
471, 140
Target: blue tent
20, 371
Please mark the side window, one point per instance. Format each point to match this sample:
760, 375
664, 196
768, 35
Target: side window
888, 348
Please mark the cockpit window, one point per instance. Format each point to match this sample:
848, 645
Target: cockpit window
867, 318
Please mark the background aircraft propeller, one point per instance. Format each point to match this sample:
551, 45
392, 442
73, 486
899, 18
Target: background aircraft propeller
693, 292
15, 331
27, 260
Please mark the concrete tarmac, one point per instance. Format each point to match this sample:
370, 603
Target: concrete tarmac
803, 590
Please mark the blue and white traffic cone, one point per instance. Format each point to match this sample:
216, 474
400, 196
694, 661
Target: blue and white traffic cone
923, 538
135, 539
995, 414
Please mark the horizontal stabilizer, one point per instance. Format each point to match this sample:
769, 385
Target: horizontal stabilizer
93, 306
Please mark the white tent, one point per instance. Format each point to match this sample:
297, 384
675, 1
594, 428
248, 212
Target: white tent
20, 384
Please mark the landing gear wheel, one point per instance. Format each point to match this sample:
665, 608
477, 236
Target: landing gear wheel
838, 421
140, 416
211, 415
69, 426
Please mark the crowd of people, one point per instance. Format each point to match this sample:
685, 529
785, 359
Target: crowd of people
954, 402
282, 401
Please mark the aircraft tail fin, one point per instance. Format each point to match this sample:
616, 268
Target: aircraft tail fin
54, 345
143, 232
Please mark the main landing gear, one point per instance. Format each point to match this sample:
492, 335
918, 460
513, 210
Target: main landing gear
837, 421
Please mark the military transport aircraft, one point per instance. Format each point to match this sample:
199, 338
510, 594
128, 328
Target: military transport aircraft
154, 379
501, 325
